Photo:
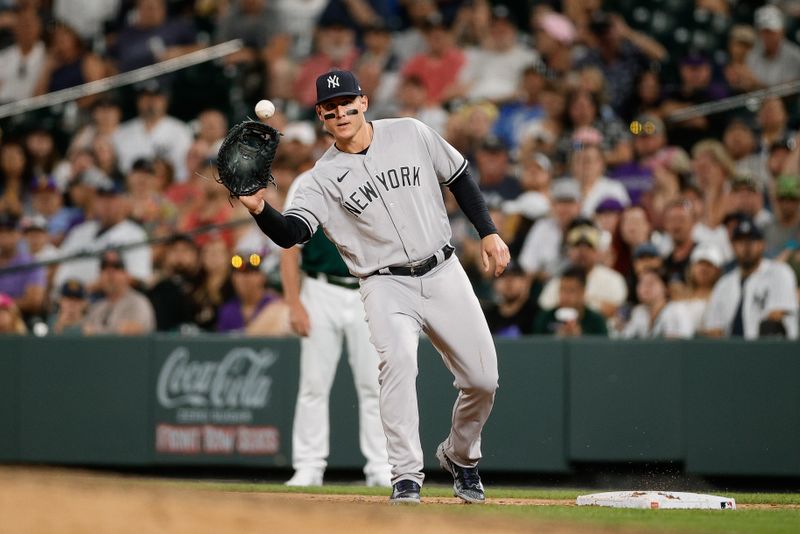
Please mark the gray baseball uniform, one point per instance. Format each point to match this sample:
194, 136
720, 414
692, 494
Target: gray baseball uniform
383, 209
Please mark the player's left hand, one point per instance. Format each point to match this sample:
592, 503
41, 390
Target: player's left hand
495, 254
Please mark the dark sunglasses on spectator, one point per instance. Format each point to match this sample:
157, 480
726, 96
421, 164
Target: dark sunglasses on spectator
246, 263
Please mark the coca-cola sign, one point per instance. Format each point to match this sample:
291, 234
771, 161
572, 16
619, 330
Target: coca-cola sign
238, 381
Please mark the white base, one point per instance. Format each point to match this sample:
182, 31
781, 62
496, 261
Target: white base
664, 500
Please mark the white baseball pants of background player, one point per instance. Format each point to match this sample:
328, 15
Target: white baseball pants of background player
443, 305
336, 314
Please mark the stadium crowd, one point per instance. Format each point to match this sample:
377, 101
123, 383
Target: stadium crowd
622, 220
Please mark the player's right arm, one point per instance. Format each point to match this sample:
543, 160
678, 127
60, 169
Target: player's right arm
290, 280
285, 231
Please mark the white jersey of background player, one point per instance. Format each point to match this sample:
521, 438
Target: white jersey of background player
325, 312
376, 193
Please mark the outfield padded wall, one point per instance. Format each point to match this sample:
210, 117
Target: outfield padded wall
713, 407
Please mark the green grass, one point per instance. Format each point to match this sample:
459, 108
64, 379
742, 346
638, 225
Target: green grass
768, 521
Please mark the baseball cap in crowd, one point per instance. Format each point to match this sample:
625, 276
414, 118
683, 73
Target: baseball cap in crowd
584, 235
434, 20
559, 27
746, 229
542, 161
565, 190
609, 205
743, 33
8, 221
43, 182
493, 143
646, 250
531, 205
33, 223
302, 132
73, 289
111, 259
152, 86
694, 59
110, 188
709, 253
769, 18
788, 187
336, 83
143, 165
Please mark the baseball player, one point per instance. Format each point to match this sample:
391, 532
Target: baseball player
759, 297
376, 193
324, 308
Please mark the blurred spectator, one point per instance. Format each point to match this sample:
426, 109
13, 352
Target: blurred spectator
70, 309
554, 35
122, 310
784, 231
15, 173
335, 49
525, 110
605, 287
649, 140
251, 296
296, 148
214, 287
172, 295
644, 257
492, 170
494, 69
758, 298
47, 201
409, 42
541, 253
185, 194
251, 21
584, 113
678, 225
740, 141
440, 66
773, 59
647, 97
737, 73
713, 169
22, 63
587, 166
696, 87
634, 229
705, 269
149, 207
748, 199
377, 69
671, 170
153, 133
26, 286
412, 101
571, 318
513, 312
773, 122
655, 316
106, 115
68, 64
10, 319
34, 232
212, 126
42, 150
150, 37
212, 207
607, 217
621, 53
299, 20
110, 228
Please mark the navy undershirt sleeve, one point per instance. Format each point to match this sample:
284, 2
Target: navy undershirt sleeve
284, 231
471, 201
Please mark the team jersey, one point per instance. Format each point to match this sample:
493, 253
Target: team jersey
385, 207
318, 254
770, 288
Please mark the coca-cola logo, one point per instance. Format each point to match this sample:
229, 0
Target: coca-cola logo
239, 380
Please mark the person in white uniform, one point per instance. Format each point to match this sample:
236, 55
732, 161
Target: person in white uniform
757, 298
376, 192
325, 309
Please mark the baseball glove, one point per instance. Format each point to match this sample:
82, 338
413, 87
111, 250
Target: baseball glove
245, 158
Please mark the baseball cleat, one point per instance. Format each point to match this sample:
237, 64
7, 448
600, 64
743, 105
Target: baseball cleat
467, 484
305, 477
405, 492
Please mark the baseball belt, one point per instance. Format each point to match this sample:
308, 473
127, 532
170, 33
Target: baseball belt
348, 282
419, 268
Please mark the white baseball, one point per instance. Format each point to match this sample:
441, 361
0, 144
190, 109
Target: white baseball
265, 109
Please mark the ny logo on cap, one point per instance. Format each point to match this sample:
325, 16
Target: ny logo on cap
333, 81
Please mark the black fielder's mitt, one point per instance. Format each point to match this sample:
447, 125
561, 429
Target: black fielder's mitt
245, 158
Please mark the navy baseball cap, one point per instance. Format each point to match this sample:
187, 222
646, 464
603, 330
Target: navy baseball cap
337, 83
746, 229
